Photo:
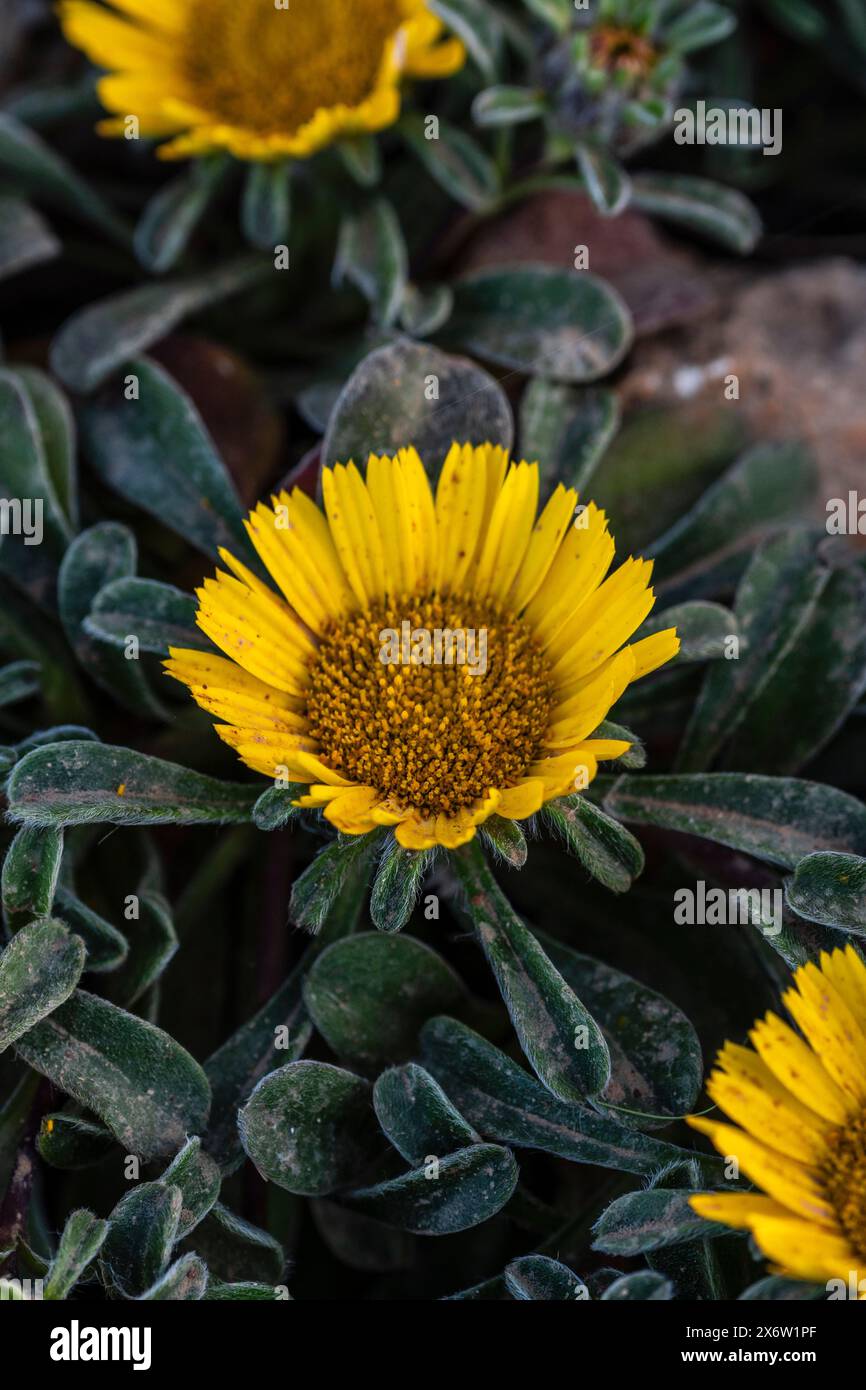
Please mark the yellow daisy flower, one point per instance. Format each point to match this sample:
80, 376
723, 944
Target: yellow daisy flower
261, 79
432, 660
802, 1103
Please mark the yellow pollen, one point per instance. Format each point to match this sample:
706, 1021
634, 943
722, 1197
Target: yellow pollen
434, 737
269, 70
843, 1178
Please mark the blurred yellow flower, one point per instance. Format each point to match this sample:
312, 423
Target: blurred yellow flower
262, 79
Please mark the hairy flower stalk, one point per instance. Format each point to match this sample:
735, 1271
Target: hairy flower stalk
433, 660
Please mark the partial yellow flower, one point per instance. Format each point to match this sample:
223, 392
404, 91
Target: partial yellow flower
801, 1101
261, 79
340, 684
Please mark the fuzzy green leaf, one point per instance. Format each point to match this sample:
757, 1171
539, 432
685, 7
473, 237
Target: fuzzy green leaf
368, 995
561, 1040
310, 1128
155, 447
604, 847
39, 969
389, 403
82, 1239
25, 238
142, 1230
471, 1186
372, 255
720, 214
542, 321
266, 208
145, 1087
777, 819
830, 889
30, 871
79, 783
537, 1277
417, 1116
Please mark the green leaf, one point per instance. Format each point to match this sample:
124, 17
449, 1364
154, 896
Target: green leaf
636, 755
318, 887
97, 340
776, 819
506, 106
19, 680
372, 255
36, 169
417, 1116
642, 1221
24, 465
57, 437
704, 629
604, 847
71, 1143
776, 1289
538, 1277
30, 871
104, 552
567, 429
799, 620
424, 312
655, 1053
720, 214
507, 841
137, 1079
266, 207
397, 885
310, 1128
107, 948
153, 944
157, 447
39, 969
477, 24
502, 1101
470, 1187
362, 158
830, 889
81, 1241
185, 1281
368, 995
279, 1031
562, 1042
249, 1292
643, 1285
25, 238
158, 615
171, 216
607, 183
80, 783
453, 159
142, 1230
412, 394
768, 485
568, 325
557, 13
235, 1250
198, 1178
276, 806
703, 23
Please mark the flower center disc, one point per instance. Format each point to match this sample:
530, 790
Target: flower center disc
266, 69
844, 1180
432, 736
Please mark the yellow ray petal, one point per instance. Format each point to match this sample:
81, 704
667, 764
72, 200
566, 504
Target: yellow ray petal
846, 971
579, 566
355, 531
112, 42
651, 652
788, 1181
460, 498
804, 1250
829, 1025
504, 546
743, 1064
350, 811
794, 1063
543, 545
417, 832
736, 1209
523, 800
766, 1117
421, 534
604, 623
